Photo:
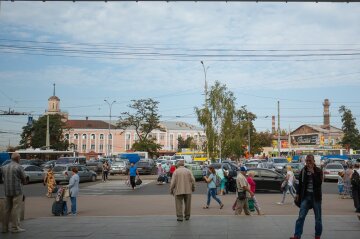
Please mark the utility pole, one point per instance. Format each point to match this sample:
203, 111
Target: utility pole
249, 147
279, 142
108, 141
47, 144
206, 106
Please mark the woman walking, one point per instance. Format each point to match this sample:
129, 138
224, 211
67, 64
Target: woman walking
105, 169
250, 180
74, 190
49, 180
220, 173
133, 172
347, 182
211, 183
289, 184
341, 183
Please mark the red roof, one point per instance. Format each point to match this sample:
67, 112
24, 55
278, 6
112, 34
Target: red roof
88, 124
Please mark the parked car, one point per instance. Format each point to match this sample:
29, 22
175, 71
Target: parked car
48, 164
277, 163
331, 171
71, 160
251, 165
267, 180
36, 162
232, 173
146, 166
63, 173
296, 168
33, 173
120, 166
196, 171
94, 165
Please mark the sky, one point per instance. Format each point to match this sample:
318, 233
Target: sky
295, 53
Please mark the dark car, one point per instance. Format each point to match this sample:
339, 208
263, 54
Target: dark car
146, 167
296, 168
231, 178
267, 180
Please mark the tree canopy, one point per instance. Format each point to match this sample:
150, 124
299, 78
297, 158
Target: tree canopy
35, 135
351, 137
144, 118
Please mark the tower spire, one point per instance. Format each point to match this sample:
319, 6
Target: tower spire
54, 90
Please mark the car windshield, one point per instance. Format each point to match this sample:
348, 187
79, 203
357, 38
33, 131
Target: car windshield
334, 166
280, 161
178, 157
59, 168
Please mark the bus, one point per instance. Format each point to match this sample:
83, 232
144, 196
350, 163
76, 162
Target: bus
197, 156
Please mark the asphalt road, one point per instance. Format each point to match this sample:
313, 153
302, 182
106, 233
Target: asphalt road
118, 187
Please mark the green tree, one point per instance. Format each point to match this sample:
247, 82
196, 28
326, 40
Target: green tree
35, 135
351, 137
187, 143
144, 118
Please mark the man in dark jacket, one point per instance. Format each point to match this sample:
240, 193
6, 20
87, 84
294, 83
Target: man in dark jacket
309, 195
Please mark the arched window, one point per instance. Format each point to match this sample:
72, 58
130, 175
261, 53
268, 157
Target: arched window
76, 136
101, 136
110, 136
84, 136
92, 136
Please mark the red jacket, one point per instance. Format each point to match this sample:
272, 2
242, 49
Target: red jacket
172, 169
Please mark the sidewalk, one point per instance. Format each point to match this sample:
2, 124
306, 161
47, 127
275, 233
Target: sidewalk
200, 227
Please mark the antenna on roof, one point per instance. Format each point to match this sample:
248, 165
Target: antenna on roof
54, 90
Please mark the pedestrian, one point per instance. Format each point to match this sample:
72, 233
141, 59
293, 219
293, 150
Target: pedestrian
347, 182
340, 182
355, 184
288, 184
49, 180
244, 192
182, 186
172, 169
160, 174
211, 184
309, 195
133, 172
74, 190
105, 171
221, 174
14, 177
167, 171
252, 183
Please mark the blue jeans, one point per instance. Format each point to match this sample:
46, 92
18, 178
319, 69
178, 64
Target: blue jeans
305, 206
212, 193
73, 205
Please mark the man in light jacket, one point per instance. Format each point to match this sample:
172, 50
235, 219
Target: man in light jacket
182, 185
74, 189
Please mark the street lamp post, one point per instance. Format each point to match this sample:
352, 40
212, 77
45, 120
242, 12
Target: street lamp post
205, 93
108, 141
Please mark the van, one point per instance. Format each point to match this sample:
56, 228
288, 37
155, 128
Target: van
71, 160
186, 158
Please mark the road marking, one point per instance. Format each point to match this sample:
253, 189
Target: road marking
110, 187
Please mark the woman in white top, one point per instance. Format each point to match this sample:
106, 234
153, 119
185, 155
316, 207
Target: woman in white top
289, 184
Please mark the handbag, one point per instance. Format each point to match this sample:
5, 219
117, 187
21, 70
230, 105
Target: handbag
283, 184
138, 181
67, 193
251, 204
241, 195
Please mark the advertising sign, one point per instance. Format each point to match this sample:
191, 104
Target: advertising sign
306, 139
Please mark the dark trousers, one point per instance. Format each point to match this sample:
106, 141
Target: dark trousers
307, 203
132, 181
356, 198
105, 175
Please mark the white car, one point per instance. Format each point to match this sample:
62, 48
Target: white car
331, 171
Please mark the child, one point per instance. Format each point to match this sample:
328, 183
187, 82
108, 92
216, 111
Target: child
340, 183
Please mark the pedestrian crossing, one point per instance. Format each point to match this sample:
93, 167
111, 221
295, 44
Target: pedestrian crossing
111, 188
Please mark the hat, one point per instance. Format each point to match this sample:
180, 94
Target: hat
243, 169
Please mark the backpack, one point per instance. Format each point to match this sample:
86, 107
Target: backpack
217, 180
355, 179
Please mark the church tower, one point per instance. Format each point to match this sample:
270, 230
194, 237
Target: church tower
53, 104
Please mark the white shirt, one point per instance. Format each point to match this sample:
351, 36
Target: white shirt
291, 178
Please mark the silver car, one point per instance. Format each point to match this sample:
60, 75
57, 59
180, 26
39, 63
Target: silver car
331, 171
33, 174
119, 166
63, 173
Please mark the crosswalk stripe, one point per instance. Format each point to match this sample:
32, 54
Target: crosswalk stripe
110, 187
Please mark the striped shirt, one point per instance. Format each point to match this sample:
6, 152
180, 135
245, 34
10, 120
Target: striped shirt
14, 176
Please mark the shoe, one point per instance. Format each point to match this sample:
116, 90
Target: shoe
17, 230
280, 203
206, 207
187, 218
317, 237
294, 237
179, 219
221, 206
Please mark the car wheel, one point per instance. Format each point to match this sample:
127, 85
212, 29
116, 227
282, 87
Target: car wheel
27, 180
93, 178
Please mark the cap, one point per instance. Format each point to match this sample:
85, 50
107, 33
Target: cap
243, 169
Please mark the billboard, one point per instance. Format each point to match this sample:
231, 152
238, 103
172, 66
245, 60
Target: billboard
312, 139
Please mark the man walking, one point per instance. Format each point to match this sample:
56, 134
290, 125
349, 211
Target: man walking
14, 177
182, 185
244, 192
309, 195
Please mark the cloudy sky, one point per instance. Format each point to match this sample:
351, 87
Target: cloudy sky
299, 54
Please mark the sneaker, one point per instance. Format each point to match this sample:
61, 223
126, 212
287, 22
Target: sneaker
294, 237
17, 230
280, 203
317, 237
